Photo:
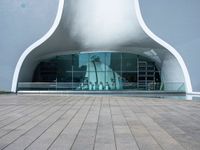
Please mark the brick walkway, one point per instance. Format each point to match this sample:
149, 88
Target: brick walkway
98, 122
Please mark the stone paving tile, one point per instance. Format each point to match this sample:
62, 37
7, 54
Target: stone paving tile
87, 122
68, 135
86, 137
50, 135
12, 126
28, 137
123, 136
143, 137
105, 138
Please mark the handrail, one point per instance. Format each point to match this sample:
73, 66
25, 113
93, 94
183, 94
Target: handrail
153, 86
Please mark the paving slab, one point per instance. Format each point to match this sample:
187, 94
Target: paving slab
98, 122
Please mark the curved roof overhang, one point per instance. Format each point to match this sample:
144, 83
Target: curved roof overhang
78, 28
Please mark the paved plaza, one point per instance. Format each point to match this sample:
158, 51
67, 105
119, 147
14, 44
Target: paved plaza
59, 122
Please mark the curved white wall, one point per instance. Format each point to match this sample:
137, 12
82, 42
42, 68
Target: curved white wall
168, 47
171, 74
100, 24
35, 45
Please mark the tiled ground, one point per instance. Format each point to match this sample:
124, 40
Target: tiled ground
98, 122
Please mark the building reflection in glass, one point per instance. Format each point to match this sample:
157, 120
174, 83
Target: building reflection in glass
99, 71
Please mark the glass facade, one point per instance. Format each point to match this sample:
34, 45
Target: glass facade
97, 71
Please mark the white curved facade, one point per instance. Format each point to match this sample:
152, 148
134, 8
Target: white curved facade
92, 26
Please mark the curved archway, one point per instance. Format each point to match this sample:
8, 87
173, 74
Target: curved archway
144, 40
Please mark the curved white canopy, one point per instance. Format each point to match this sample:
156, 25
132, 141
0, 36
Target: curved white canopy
102, 25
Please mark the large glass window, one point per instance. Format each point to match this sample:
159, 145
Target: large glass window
98, 71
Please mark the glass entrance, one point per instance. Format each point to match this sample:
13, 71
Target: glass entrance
97, 72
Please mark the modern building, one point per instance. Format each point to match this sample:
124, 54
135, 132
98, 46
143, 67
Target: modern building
99, 45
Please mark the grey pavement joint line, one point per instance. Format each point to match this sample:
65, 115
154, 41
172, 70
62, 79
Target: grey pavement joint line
34, 142
128, 124
105, 135
35, 105
12, 121
109, 122
53, 145
86, 136
32, 106
112, 123
42, 111
174, 125
77, 101
83, 122
157, 139
132, 131
143, 123
41, 122
97, 123
174, 134
123, 130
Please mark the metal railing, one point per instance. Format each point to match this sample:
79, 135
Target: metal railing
57, 86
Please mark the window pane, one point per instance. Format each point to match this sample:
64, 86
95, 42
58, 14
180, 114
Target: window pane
97, 71
129, 62
115, 61
80, 62
97, 62
129, 80
64, 62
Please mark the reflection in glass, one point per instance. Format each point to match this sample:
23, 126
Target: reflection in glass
99, 71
